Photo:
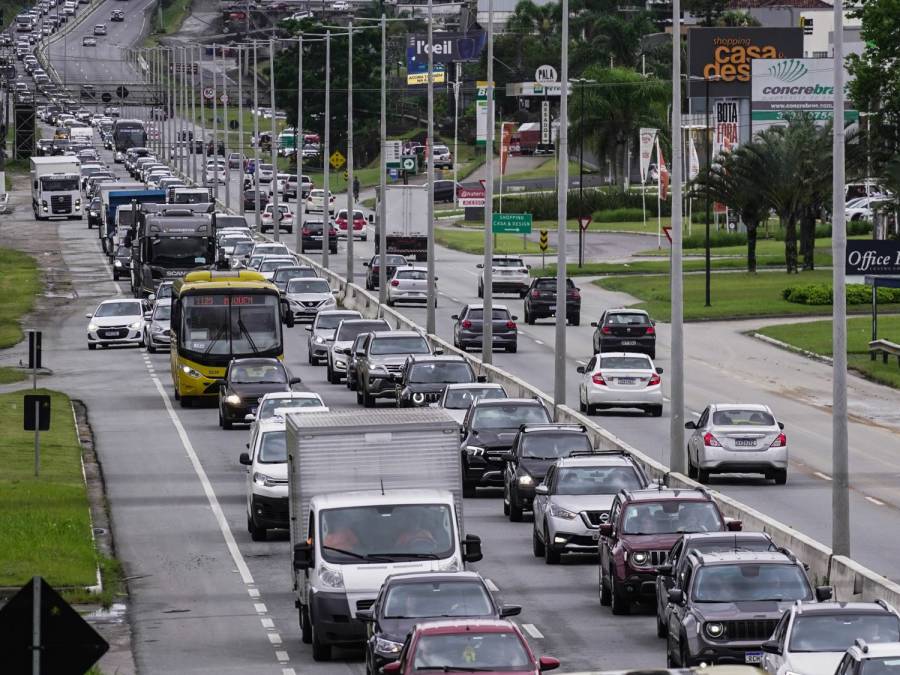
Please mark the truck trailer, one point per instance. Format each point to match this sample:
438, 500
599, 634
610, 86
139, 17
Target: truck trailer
406, 226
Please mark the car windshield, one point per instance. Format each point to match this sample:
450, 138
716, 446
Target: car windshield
437, 599
272, 448
507, 262
550, 284
60, 184
471, 651
596, 480
123, 252
308, 286
179, 251
286, 275
119, 309
242, 247
752, 418
387, 532
461, 399
627, 319
263, 373
272, 265
350, 329
670, 517
748, 582
625, 363
331, 321
837, 632
886, 665
539, 445
440, 372
390, 260
270, 405
478, 315
412, 275
164, 291
162, 312
510, 416
400, 345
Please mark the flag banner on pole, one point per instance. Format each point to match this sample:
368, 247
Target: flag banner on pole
694, 162
506, 132
663, 173
647, 139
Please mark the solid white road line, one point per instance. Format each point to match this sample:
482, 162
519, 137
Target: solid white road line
823, 476
214, 506
876, 502
532, 630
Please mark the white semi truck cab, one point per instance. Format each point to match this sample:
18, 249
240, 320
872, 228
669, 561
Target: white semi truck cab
56, 188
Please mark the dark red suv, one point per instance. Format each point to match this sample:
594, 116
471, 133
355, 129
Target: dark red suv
642, 528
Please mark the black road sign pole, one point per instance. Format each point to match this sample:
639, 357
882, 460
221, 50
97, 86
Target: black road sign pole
37, 439
36, 628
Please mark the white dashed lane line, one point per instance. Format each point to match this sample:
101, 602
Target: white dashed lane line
823, 476
876, 502
532, 630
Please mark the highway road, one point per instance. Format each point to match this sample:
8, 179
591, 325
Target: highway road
204, 598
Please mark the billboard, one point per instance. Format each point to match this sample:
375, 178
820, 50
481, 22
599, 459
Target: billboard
727, 130
722, 56
448, 47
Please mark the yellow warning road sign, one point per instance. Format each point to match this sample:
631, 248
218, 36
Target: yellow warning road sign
544, 244
337, 160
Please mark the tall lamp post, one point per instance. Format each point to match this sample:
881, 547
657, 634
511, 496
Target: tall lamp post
582, 82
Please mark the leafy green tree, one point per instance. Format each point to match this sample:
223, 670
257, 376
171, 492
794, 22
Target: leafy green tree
708, 10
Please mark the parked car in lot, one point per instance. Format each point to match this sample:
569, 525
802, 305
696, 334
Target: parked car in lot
620, 380
540, 300
116, 322
625, 330
737, 438
468, 329
246, 381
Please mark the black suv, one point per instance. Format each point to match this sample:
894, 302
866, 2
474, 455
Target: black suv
247, 381
488, 432
643, 526
540, 300
534, 450
729, 603
312, 236
392, 262
424, 378
625, 330
672, 573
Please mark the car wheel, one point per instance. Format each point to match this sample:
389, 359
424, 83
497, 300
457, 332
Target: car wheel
186, 401
332, 378
512, 348
321, 651
575, 320
670, 654
390, 303
692, 470
92, 346
227, 424
685, 657
605, 597
537, 546
653, 354
656, 411
702, 475
468, 489
582, 406
620, 604
313, 361
515, 510
551, 556
359, 398
368, 399
256, 533
660, 626
505, 505
115, 275
305, 628
150, 347
529, 317
523, 293
480, 291
781, 477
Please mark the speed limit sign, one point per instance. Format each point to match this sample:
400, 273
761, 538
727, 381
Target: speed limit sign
208, 92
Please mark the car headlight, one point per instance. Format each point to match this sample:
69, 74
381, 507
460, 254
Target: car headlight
134, 325
331, 576
418, 398
715, 629
340, 362
92, 327
187, 370
319, 340
233, 399
559, 512
387, 647
474, 450
640, 558
117, 263
526, 480
263, 479
157, 328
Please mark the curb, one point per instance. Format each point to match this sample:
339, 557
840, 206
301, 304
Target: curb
791, 348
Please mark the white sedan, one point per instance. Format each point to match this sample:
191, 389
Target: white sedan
620, 380
116, 322
409, 284
316, 199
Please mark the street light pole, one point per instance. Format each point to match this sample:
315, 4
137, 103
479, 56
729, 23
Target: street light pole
429, 246
298, 225
256, 155
226, 101
326, 194
350, 204
215, 124
276, 213
382, 170
202, 117
559, 379
708, 164
240, 173
193, 125
487, 332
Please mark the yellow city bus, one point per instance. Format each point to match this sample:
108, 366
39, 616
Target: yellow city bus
218, 316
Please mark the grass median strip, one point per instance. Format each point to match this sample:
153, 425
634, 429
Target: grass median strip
815, 336
472, 241
19, 284
46, 522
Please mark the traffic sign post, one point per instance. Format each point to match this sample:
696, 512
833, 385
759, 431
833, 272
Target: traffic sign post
337, 160
511, 223
583, 223
208, 93
36, 408
544, 244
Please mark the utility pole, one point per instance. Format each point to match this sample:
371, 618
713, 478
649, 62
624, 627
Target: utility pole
350, 202
202, 118
840, 496
326, 194
382, 171
215, 125
226, 101
429, 148
193, 125
298, 225
240, 173
487, 341
708, 262
676, 429
276, 214
256, 157
559, 379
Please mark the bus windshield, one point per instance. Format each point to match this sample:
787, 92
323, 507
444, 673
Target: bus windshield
230, 325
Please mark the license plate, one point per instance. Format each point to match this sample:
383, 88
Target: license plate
745, 442
753, 657
627, 380
552, 308
629, 343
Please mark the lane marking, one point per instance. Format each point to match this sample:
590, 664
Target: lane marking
274, 638
539, 342
491, 585
267, 622
288, 671
532, 630
282, 655
214, 505
876, 502
823, 476
260, 608
253, 592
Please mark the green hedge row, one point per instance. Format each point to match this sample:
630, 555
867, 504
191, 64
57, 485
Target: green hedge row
821, 294
543, 206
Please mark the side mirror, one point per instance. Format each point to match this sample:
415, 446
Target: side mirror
664, 570
505, 611
308, 329
391, 668
88, 315
303, 556
527, 267
659, 371
606, 529
593, 324
676, 596
455, 317
541, 490
335, 291
365, 264
245, 459
152, 297
580, 369
546, 663
480, 266
472, 548
824, 593
365, 615
515, 318
481, 378
690, 425
771, 647
294, 380
781, 425
371, 218
148, 316
734, 525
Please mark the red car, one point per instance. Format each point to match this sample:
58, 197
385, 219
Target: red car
471, 645
359, 224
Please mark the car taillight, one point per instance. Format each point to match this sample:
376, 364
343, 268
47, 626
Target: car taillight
654, 379
574, 294
305, 230
650, 330
535, 294
598, 379
511, 325
711, 441
606, 330
466, 324
332, 231
394, 282
779, 442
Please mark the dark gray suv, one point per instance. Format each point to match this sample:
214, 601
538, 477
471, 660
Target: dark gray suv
380, 365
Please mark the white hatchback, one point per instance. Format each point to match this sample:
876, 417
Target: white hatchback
117, 322
620, 380
409, 284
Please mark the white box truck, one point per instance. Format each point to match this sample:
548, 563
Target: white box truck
370, 494
56, 187
406, 221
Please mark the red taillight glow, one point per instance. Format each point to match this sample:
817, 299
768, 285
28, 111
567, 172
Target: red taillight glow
306, 230
711, 441
511, 325
574, 295
779, 442
394, 282
606, 330
598, 379
651, 330
654, 379
535, 294
466, 324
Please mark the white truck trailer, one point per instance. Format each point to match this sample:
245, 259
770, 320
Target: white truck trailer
56, 187
406, 221
370, 494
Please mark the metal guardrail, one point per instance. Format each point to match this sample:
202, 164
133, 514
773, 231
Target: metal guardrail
886, 348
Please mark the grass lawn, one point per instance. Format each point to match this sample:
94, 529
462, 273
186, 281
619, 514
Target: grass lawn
734, 295
815, 336
11, 375
473, 241
545, 170
596, 226
46, 523
19, 284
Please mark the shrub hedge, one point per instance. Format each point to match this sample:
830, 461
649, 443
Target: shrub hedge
821, 294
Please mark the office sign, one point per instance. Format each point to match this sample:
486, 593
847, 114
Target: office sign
448, 47
869, 256
723, 56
